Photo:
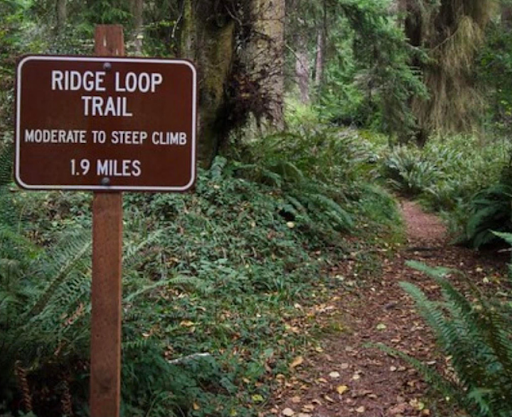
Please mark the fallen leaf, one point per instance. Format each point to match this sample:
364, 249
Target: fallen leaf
329, 398
299, 360
398, 409
345, 366
195, 406
356, 377
342, 389
381, 326
296, 399
288, 412
187, 323
360, 409
334, 374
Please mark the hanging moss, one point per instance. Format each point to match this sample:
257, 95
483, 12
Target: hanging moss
451, 31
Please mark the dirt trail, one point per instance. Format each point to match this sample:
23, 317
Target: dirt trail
344, 378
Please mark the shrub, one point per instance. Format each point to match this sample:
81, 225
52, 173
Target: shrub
409, 172
218, 271
477, 336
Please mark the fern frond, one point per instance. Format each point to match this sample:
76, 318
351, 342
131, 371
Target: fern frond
61, 265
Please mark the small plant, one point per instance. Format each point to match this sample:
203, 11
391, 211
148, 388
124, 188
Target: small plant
409, 172
491, 210
477, 336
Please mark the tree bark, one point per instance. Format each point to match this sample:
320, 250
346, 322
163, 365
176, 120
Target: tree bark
321, 41
267, 56
302, 68
506, 16
320, 57
61, 14
207, 37
138, 23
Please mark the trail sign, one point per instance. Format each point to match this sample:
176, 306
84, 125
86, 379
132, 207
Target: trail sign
105, 123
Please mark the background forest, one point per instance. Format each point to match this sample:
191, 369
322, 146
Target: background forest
316, 116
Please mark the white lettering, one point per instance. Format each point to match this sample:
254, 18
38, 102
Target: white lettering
118, 168
124, 137
169, 138
143, 82
55, 136
156, 79
102, 168
112, 106
86, 100
74, 80
136, 171
57, 77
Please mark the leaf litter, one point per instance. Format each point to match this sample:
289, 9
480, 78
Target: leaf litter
343, 377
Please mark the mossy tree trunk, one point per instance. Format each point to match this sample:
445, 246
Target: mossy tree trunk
302, 68
208, 38
267, 55
137, 8
320, 52
451, 31
62, 15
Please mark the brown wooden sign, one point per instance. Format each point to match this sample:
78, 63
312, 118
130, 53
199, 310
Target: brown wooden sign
104, 123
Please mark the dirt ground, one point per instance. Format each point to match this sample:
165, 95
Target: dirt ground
344, 377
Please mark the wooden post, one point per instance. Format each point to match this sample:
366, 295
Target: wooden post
107, 229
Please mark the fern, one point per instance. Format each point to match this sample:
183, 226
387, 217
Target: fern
61, 263
6, 157
491, 210
478, 337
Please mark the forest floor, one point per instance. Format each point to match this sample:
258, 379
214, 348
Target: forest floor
344, 377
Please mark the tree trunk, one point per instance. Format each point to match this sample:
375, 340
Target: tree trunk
506, 16
138, 23
61, 15
302, 68
267, 56
207, 38
321, 41
320, 57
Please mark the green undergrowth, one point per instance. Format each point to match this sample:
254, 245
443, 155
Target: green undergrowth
473, 331
213, 280
450, 176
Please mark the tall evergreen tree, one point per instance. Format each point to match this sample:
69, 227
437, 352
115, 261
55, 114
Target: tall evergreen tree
451, 31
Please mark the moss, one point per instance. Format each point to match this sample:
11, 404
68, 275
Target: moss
209, 42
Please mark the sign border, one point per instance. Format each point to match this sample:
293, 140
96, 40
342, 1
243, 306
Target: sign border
19, 69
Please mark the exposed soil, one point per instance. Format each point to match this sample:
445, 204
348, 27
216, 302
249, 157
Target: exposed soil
344, 377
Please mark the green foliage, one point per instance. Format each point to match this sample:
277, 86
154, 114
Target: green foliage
451, 33
491, 210
408, 171
494, 71
11, 13
477, 336
370, 82
438, 175
325, 177
219, 271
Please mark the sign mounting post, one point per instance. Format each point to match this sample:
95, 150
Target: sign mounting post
107, 229
106, 124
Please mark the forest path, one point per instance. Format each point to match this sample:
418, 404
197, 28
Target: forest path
344, 378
